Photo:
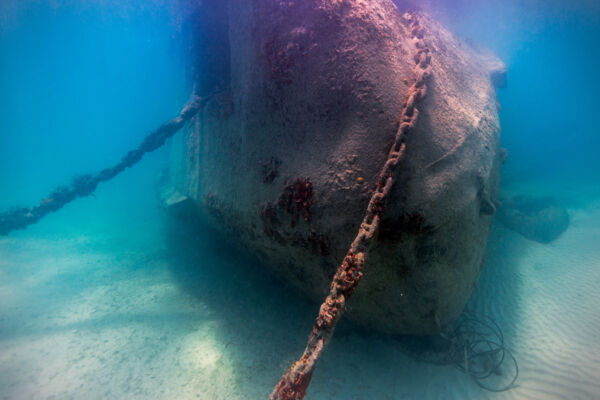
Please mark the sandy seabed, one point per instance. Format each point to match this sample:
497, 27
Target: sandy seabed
126, 316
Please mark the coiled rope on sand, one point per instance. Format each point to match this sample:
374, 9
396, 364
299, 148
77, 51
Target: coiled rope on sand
475, 345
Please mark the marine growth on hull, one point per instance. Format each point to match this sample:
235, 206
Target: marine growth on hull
325, 102
355, 142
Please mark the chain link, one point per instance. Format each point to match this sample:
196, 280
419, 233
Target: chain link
295, 381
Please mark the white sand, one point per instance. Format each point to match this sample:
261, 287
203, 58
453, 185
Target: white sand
93, 318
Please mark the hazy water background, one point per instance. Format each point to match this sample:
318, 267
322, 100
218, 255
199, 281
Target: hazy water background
100, 74
82, 83
549, 118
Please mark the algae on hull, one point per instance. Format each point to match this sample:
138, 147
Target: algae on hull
319, 87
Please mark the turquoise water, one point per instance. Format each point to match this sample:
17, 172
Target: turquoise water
547, 116
107, 298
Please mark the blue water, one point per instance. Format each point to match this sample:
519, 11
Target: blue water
548, 117
82, 85
93, 304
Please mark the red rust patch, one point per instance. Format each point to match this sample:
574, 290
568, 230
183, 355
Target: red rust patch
295, 199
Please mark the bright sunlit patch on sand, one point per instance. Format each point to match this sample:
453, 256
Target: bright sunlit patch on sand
201, 351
